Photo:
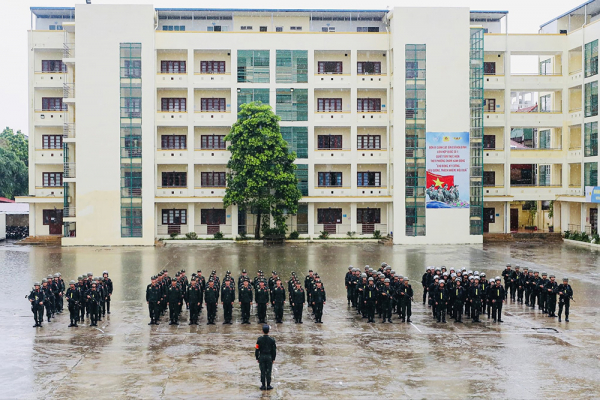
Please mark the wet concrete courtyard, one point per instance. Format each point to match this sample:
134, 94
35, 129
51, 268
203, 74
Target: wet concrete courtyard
528, 356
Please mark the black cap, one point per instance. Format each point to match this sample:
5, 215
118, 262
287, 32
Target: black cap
243, 271
266, 328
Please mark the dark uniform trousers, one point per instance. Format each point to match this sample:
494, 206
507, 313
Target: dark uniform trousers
227, 311
245, 311
262, 311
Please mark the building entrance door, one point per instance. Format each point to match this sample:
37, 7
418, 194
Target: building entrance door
489, 217
594, 220
514, 219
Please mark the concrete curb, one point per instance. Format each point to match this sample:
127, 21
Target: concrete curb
582, 244
299, 241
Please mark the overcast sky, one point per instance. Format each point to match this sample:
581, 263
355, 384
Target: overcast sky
525, 16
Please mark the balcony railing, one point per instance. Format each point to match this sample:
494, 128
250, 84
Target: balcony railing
69, 211
68, 90
69, 229
165, 230
68, 50
69, 170
69, 130
332, 148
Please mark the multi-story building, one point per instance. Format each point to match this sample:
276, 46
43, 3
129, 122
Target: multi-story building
130, 105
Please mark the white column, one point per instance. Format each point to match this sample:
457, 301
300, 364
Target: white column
311, 220
353, 214
507, 217
32, 215
234, 221
583, 217
191, 217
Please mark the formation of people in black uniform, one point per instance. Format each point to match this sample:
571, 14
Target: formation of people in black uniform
89, 297
382, 292
165, 293
453, 293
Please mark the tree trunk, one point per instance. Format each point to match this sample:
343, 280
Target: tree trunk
257, 227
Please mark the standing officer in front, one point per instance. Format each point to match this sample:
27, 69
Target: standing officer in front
227, 299
36, 298
245, 295
265, 353
565, 294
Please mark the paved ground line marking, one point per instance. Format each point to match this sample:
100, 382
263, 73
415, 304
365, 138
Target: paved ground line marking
416, 327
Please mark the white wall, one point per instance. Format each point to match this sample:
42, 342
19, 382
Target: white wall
2, 226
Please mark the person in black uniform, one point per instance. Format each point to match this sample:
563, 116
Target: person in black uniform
227, 300
211, 296
441, 301
458, 298
109, 290
385, 298
245, 296
193, 297
498, 296
36, 298
406, 295
298, 300
93, 298
262, 298
174, 302
370, 300
565, 294
475, 295
278, 299
551, 291
319, 298
73, 300
153, 298
265, 353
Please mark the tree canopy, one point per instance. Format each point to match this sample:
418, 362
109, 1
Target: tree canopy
261, 174
17, 143
14, 155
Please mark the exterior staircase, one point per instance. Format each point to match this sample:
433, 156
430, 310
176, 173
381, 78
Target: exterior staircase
551, 237
54, 240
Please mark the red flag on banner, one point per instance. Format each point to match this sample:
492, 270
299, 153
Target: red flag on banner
439, 180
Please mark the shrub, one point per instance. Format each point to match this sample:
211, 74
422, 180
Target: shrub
567, 234
191, 236
174, 235
324, 235
377, 234
596, 238
218, 235
294, 235
243, 236
351, 234
585, 237
270, 232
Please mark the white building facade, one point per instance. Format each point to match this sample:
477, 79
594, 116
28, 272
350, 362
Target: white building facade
128, 116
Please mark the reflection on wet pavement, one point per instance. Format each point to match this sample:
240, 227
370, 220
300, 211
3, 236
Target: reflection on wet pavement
529, 356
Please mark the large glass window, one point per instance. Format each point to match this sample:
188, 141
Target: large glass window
369, 179
302, 176
591, 99
174, 217
591, 139
173, 104
368, 105
368, 215
174, 179
366, 142
330, 67
52, 179
330, 179
329, 105
368, 67
291, 66
253, 66
53, 104
212, 217
173, 142
591, 58
212, 67
52, 141
297, 138
329, 142
590, 174
53, 66
213, 179
172, 67
249, 95
213, 142
292, 104
213, 104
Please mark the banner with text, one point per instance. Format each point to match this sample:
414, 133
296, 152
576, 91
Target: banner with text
447, 169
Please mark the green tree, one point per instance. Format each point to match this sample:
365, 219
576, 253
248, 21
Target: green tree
13, 175
17, 143
261, 176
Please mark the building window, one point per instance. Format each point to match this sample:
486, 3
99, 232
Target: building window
263, 28
369, 142
369, 105
174, 179
172, 67
213, 179
369, 179
329, 105
368, 215
292, 105
172, 104
489, 68
213, 104
330, 67
175, 28
217, 28
301, 173
329, 216
212, 67
329, 142
213, 142
291, 66
591, 99
132, 181
133, 145
295, 28
489, 142
132, 69
590, 174
174, 217
212, 217
330, 179
173, 142
52, 141
132, 107
412, 69
253, 66
279, 29
297, 139
245, 96
368, 67
591, 58
52, 179
489, 178
328, 29
245, 28
367, 29
53, 104
131, 222
52, 217
546, 103
53, 66
546, 67
591, 139
545, 139
55, 27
